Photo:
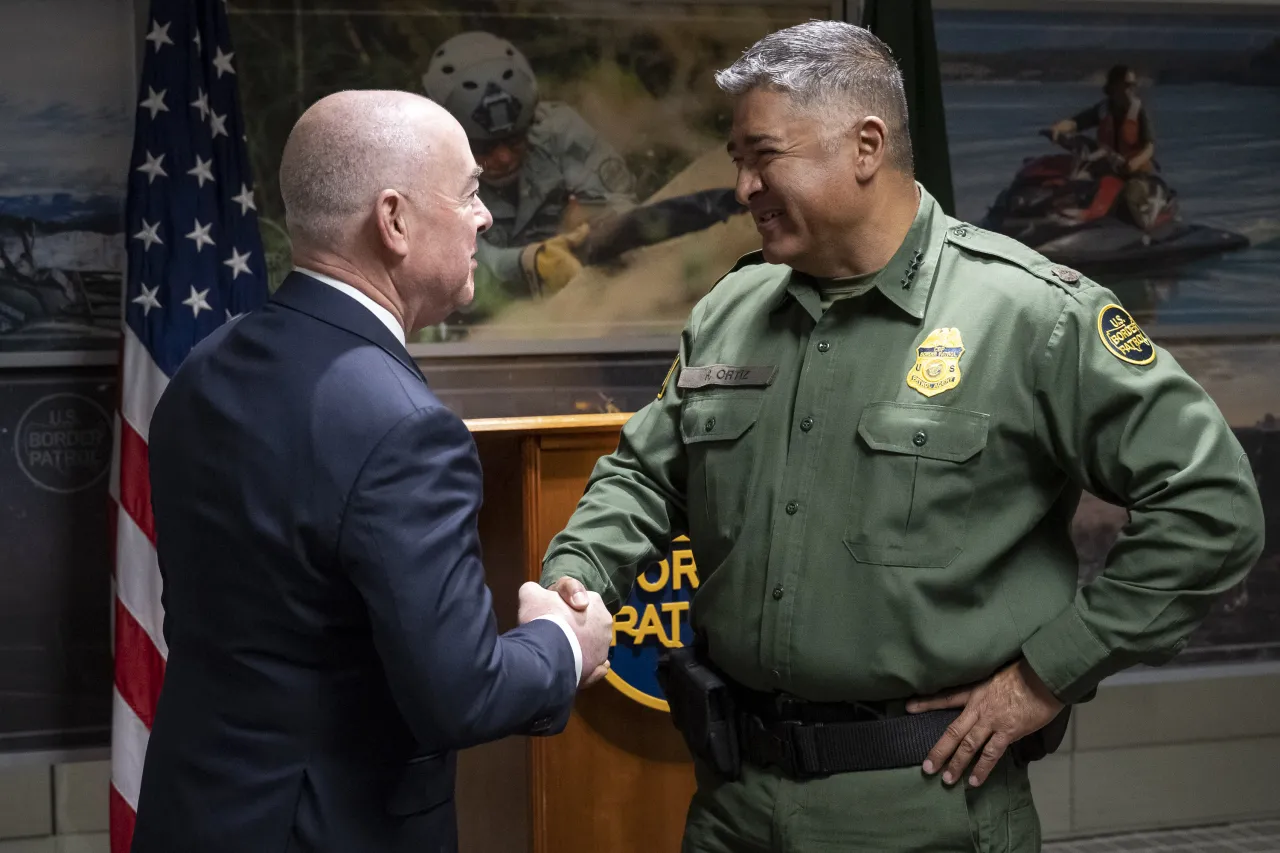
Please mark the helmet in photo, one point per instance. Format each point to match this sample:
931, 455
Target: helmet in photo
486, 84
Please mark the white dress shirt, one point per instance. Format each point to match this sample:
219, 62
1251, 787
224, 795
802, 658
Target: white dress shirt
386, 317
393, 325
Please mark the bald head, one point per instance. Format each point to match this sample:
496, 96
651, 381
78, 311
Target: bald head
381, 192
350, 146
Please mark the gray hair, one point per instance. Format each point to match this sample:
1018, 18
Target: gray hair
344, 151
831, 64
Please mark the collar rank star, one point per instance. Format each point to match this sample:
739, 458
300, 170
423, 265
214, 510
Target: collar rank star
937, 366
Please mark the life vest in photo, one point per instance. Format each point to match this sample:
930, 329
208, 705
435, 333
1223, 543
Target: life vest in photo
1126, 138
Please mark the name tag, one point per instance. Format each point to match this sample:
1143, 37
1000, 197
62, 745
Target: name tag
725, 375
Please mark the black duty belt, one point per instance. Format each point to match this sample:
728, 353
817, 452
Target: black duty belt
810, 739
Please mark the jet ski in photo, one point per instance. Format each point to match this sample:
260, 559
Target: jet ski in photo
1070, 207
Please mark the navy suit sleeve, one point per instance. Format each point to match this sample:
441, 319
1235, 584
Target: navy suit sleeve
410, 543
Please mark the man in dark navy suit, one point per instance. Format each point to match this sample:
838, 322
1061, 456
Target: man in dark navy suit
331, 639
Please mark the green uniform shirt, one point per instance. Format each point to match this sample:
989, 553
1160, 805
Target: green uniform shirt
879, 496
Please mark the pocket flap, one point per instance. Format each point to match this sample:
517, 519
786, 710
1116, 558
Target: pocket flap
720, 418
425, 783
934, 432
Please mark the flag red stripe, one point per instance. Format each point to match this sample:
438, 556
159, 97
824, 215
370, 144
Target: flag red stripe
135, 479
122, 822
139, 666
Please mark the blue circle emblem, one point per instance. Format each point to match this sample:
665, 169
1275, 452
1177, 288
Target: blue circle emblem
1122, 336
655, 616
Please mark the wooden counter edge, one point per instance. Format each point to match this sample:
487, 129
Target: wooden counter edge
549, 424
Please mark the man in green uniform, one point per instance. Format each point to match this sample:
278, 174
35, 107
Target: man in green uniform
876, 434
546, 171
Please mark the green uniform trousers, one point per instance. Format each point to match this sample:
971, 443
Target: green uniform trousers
873, 812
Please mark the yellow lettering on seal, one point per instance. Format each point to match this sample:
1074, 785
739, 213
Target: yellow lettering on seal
1122, 336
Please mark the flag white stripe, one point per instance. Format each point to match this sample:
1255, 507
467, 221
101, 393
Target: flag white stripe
138, 580
142, 383
128, 749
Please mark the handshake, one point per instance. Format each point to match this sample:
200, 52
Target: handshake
585, 614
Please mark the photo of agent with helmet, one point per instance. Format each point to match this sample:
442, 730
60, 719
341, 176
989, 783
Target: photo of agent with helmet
548, 175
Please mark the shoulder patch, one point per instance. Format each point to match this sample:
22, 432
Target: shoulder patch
1122, 336
979, 241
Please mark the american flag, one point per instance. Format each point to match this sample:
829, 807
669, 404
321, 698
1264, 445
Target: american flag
195, 262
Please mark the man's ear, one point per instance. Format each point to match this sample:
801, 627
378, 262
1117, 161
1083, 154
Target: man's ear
390, 216
870, 138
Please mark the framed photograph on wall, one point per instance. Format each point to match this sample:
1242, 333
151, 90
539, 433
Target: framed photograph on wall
599, 126
1187, 234
67, 90
1189, 241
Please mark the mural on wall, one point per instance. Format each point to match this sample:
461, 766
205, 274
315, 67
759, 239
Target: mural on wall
600, 129
1187, 234
1178, 212
65, 130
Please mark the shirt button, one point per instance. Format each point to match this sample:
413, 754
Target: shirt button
777, 592
919, 439
823, 346
792, 507
710, 424
806, 424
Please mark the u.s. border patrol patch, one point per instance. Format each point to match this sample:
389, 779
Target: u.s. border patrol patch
1122, 337
937, 366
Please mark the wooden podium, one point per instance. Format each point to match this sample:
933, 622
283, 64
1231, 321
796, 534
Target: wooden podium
619, 778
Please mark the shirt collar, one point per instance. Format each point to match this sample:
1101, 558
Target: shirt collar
907, 279
386, 317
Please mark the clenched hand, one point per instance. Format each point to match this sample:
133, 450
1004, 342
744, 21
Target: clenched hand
591, 623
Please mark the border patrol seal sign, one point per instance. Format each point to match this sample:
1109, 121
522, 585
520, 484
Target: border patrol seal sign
655, 616
937, 366
1122, 337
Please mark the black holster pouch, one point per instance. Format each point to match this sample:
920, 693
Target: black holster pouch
702, 709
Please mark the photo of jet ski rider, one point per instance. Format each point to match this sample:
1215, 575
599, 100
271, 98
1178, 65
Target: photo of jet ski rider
1124, 135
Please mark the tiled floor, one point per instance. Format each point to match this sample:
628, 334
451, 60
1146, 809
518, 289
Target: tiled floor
1259, 837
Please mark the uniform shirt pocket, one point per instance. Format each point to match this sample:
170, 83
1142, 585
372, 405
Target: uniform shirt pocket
719, 442
913, 483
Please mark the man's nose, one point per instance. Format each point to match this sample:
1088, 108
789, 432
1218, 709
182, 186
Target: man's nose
749, 183
486, 218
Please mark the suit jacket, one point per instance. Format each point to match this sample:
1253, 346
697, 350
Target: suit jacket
331, 638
